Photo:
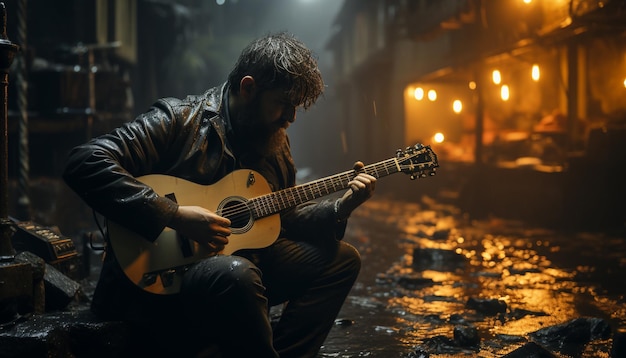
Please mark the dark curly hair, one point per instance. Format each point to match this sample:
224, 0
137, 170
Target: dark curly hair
280, 61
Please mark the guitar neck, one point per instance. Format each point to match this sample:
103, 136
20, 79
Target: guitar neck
278, 201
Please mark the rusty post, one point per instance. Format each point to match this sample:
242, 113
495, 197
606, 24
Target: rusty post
7, 53
23, 211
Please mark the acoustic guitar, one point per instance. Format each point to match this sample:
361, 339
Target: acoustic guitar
245, 198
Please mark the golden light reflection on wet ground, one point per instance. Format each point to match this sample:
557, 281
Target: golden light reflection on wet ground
423, 262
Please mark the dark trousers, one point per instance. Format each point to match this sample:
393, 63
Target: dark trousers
227, 298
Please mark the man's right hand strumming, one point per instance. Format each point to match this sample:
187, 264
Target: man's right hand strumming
202, 225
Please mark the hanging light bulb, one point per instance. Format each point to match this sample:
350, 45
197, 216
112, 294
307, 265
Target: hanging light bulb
496, 77
418, 93
432, 95
457, 106
504, 93
535, 73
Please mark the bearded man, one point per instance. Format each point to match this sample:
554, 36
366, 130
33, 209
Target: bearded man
221, 304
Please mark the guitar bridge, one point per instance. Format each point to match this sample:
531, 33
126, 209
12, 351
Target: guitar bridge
148, 279
167, 277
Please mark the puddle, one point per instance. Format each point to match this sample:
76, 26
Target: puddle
423, 265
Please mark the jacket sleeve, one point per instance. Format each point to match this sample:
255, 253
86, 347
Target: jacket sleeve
314, 221
102, 171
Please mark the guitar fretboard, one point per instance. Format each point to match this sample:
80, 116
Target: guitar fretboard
283, 199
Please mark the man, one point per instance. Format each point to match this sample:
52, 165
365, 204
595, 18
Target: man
224, 299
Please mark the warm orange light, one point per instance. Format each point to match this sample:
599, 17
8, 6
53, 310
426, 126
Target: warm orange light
624, 82
472, 85
419, 93
496, 76
432, 95
535, 73
457, 106
505, 93
438, 137
527, 1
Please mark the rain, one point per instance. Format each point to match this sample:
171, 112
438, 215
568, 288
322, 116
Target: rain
509, 241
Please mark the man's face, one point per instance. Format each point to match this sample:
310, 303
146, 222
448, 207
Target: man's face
261, 125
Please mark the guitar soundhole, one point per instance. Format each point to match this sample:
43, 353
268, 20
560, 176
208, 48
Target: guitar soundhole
235, 209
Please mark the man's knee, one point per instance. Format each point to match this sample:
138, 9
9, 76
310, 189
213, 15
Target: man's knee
350, 258
223, 273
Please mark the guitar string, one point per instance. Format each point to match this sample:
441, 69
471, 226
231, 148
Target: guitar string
271, 201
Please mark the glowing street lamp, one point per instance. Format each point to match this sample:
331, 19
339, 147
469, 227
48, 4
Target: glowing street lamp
535, 73
505, 93
496, 77
432, 95
419, 93
457, 106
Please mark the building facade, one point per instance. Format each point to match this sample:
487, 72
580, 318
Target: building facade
530, 85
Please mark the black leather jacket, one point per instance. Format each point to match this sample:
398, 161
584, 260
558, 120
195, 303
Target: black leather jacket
187, 139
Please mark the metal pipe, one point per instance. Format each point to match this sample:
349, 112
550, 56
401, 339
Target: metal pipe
7, 53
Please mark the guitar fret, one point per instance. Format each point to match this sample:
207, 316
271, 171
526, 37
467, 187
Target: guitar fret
261, 205
268, 203
280, 200
385, 168
284, 197
288, 200
326, 191
251, 204
275, 204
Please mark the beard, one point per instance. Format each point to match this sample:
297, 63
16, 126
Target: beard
255, 138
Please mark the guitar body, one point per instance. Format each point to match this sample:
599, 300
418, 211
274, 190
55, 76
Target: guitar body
158, 266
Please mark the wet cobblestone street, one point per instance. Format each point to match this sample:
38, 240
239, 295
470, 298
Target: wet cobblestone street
436, 284
433, 284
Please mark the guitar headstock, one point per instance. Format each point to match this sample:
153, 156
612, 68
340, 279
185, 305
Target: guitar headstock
419, 161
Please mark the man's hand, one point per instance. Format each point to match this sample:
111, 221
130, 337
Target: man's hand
202, 225
361, 188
